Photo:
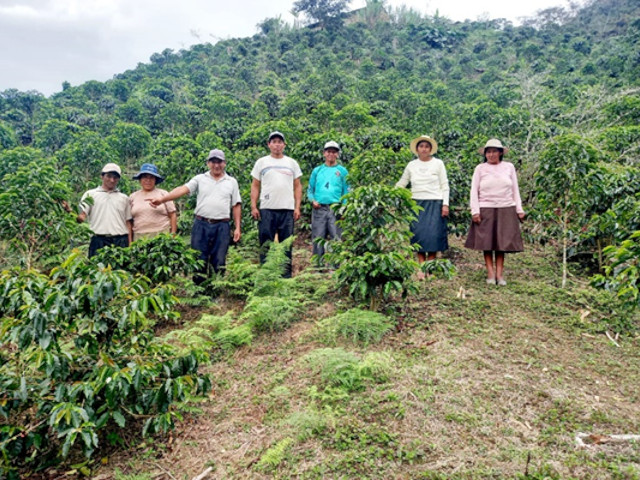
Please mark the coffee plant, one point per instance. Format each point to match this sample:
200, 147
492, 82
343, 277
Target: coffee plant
80, 363
159, 258
622, 275
375, 256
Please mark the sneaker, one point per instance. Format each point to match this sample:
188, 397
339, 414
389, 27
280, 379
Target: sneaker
491, 281
502, 282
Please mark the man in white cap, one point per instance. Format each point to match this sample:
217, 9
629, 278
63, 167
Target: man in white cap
217, 202
276, 182
327, 184
108, 212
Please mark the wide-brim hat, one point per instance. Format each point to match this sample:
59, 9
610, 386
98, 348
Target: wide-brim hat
493, 143
423, 138
149, 169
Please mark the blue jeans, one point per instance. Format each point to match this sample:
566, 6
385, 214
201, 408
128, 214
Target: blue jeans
323, 225
212, 241
274, 222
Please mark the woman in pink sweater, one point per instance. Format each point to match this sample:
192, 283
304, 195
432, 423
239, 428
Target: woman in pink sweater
496, 210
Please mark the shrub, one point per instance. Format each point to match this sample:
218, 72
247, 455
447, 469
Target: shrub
211, 333
83, 361
440, 267
34, 221
159, 258
622, 274
270, 314
344, 370
375, 256
274, 456
355, 325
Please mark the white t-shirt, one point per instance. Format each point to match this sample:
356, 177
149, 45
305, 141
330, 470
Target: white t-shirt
215, 197
276, 176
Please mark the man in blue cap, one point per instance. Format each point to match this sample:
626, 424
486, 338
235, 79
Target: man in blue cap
217, 202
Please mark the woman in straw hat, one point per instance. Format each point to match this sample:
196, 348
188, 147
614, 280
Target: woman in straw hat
430, 190
147, 220
496, 210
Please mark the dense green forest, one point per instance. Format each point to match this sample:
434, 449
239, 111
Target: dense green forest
562, 91
371, 84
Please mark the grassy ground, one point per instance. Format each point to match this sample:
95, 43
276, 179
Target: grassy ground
475, 382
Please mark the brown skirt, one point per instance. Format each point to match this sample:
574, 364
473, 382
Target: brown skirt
499, 230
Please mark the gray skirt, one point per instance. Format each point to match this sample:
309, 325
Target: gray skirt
499, 230
430, 229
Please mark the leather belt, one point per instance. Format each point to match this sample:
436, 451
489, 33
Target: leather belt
211, 220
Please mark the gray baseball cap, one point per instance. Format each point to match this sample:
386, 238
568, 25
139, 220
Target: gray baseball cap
216, 154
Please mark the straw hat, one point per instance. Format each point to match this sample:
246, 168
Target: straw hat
424, 138
495, 143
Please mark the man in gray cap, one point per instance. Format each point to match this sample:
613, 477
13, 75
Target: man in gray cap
276, 182
327, 184
108, 212
217, 202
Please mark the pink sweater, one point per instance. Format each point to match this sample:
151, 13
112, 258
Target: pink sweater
495, 186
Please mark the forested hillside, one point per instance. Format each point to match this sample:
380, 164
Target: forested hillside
371, 84
90, 354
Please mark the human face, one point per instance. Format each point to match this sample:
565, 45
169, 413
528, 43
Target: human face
276, 147
492, 155
216, 168
110, 181
424, 150
147, 182
331, 156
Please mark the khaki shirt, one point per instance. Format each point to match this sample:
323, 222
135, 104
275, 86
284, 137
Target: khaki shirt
109, 212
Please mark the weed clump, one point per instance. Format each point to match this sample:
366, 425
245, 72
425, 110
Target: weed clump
355, 325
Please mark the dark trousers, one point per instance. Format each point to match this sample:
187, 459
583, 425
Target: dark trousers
101, 241
212, 241
274, 222
323, 226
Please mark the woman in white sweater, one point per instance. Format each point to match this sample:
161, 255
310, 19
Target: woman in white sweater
430, 190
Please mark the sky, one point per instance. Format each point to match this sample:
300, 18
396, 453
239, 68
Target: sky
46, 42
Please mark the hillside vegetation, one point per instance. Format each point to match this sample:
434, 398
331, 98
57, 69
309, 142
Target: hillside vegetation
257, 376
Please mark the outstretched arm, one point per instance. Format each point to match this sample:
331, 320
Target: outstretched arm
172, 195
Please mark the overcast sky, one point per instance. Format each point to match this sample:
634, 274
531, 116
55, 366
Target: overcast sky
45, 42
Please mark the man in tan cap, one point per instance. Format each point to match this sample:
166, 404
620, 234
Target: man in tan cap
217, 202
108, 212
